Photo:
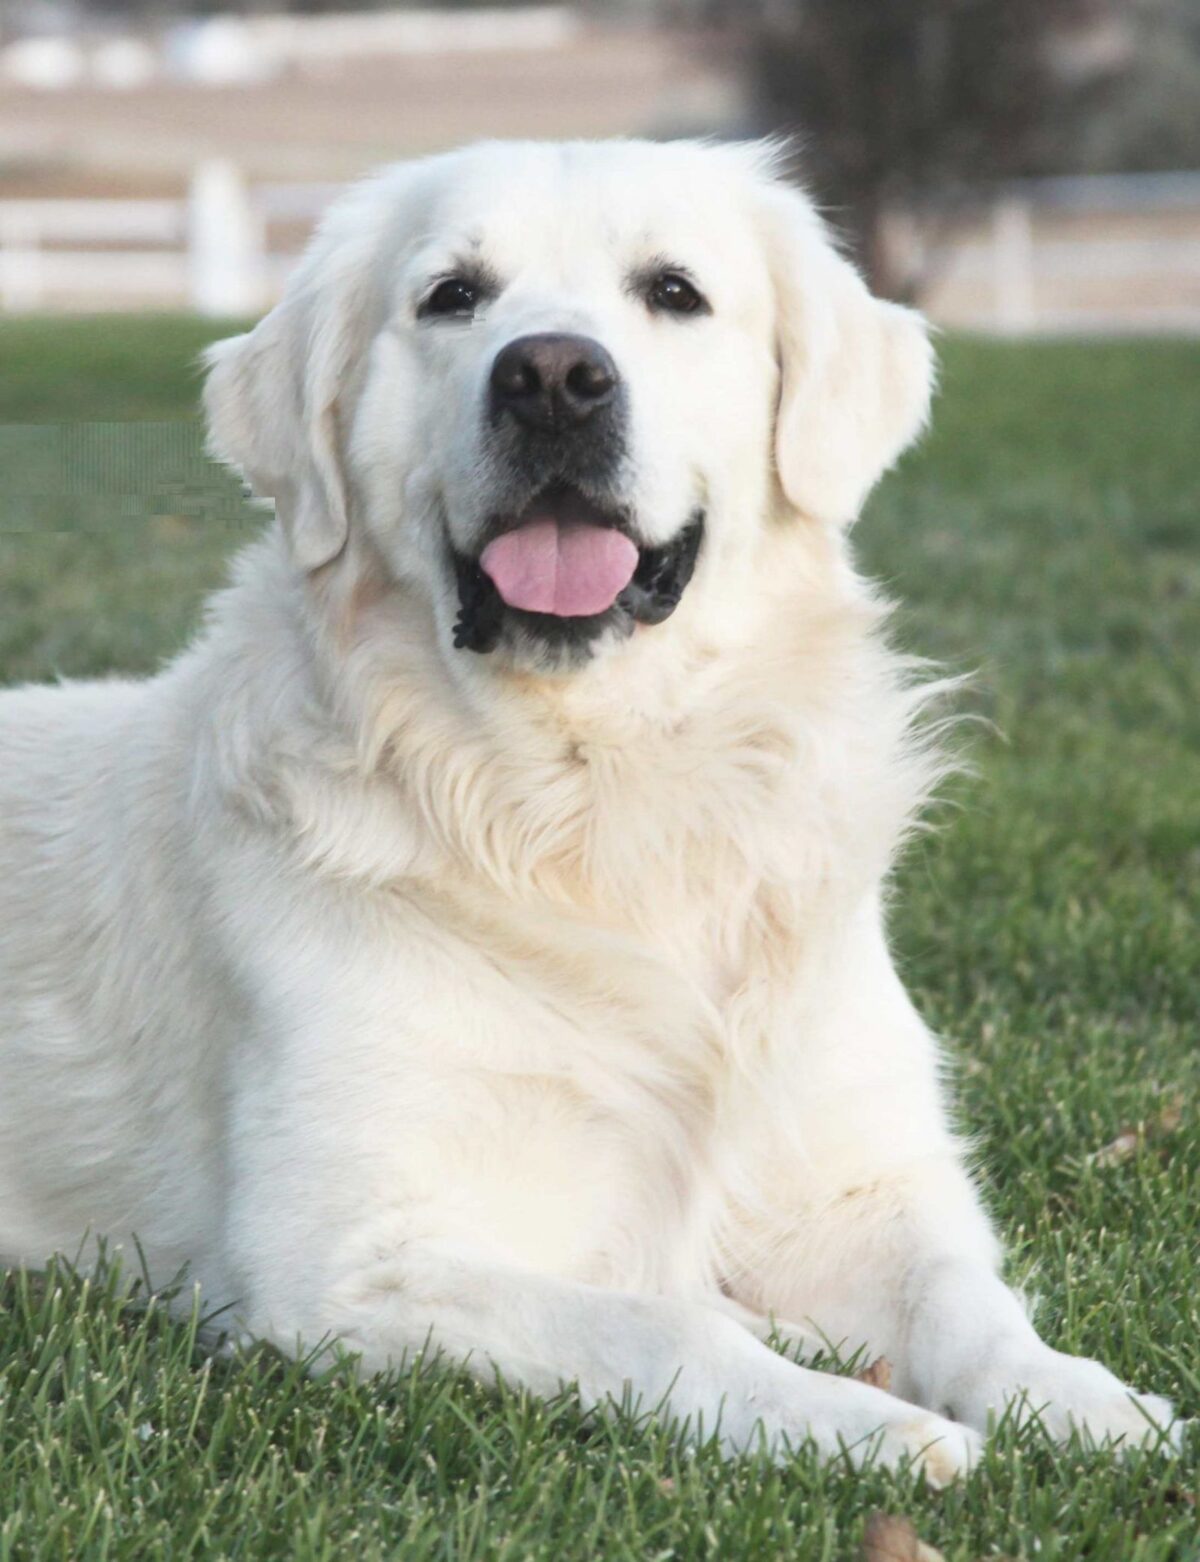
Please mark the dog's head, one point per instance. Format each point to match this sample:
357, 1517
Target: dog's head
561, 388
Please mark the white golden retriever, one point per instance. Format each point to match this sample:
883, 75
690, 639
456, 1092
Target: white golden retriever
476, 936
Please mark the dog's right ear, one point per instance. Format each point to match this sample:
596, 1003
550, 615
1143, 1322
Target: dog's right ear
272, 396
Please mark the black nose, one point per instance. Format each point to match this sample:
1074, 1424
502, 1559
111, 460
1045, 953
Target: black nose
553, 382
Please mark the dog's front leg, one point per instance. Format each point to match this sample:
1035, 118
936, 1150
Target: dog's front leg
873, 1232
690, 1360
973, 1350
901, 1266
958, 1338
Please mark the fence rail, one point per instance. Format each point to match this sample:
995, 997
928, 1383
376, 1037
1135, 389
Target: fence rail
1102, 253
1052, 255
209, 250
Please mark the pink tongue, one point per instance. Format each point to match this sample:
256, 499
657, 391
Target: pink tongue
571, 570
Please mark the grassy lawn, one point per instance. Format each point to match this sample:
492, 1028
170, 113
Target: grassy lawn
1046, 535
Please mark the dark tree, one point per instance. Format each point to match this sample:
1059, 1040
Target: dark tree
916, 103
1151, 117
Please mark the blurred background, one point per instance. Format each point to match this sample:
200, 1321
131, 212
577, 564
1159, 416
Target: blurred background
1012, 165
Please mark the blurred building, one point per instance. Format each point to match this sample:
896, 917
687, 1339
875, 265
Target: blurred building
324, 96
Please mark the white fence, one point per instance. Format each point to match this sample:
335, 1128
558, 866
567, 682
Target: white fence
1092, 254
1097, 253
209, 251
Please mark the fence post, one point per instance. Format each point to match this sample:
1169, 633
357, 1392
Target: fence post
904, 248
20, 264
1012, 254
225, 242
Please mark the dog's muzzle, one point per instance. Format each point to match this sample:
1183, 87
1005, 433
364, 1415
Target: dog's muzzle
561, 561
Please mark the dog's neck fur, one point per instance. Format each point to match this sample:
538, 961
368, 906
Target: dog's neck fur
620, 795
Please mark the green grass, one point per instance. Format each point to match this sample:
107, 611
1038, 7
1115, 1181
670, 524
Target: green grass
1046, 535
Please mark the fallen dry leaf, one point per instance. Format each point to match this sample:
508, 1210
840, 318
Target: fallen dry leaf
878, 1374
1168, 1119
1116, 1151
1164, 1122
889, 1538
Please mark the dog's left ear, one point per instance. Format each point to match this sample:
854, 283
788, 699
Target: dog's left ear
856, 372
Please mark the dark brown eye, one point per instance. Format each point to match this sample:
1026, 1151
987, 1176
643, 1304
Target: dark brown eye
457, 298
671, 293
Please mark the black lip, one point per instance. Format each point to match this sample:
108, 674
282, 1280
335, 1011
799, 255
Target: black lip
658, 584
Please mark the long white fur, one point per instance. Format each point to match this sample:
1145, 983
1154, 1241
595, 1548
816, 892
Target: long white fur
409, 994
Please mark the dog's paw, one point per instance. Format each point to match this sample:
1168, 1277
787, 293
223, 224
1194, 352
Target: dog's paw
850, 1421
1072, 1396
942, 1450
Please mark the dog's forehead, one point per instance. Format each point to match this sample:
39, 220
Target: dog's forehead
513, 205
